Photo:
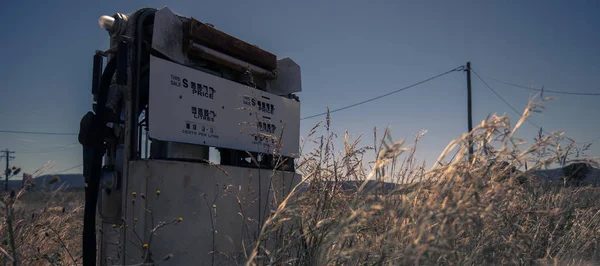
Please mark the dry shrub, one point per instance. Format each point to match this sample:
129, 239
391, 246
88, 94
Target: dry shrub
467, 211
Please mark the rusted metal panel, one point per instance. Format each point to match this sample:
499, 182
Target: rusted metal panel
201, 33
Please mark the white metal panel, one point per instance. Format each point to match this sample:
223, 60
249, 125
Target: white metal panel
190, 106
168, 35
289, 78
220, 206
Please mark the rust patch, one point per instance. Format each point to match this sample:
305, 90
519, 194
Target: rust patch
186, 181
215, 39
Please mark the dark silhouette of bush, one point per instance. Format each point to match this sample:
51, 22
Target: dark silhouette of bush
575, 173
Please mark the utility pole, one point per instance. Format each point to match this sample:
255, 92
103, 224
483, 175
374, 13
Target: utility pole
469, 110
8, 157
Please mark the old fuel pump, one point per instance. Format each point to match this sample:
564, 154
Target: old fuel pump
173, 92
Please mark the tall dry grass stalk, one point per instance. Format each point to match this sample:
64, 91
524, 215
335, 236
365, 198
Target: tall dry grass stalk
465, 211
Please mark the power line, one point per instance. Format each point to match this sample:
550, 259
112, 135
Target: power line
516, 111
74, 144
591, 141
543, 89
38, 133
506, 102
460, 68
62, 171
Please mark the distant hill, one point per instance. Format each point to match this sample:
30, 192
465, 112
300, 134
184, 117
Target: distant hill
552, 176
69, 181
44, 182
555, 176
76, 181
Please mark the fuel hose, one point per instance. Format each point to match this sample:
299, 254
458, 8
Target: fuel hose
91, 136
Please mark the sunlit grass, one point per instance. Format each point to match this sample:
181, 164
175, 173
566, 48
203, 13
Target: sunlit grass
467, 211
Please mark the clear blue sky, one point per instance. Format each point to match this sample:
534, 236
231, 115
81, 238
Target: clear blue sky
348, 50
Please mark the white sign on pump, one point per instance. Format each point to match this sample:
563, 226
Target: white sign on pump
190, 106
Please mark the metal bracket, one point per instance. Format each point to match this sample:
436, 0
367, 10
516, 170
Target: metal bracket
114, 49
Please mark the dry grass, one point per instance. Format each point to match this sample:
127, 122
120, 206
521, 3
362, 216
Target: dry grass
462, 211
47, 227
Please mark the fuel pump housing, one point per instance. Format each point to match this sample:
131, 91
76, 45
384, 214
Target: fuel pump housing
191, 139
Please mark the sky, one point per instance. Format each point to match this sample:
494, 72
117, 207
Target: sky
349, 51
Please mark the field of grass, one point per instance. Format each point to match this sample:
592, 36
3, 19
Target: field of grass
46, 228
462, 211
